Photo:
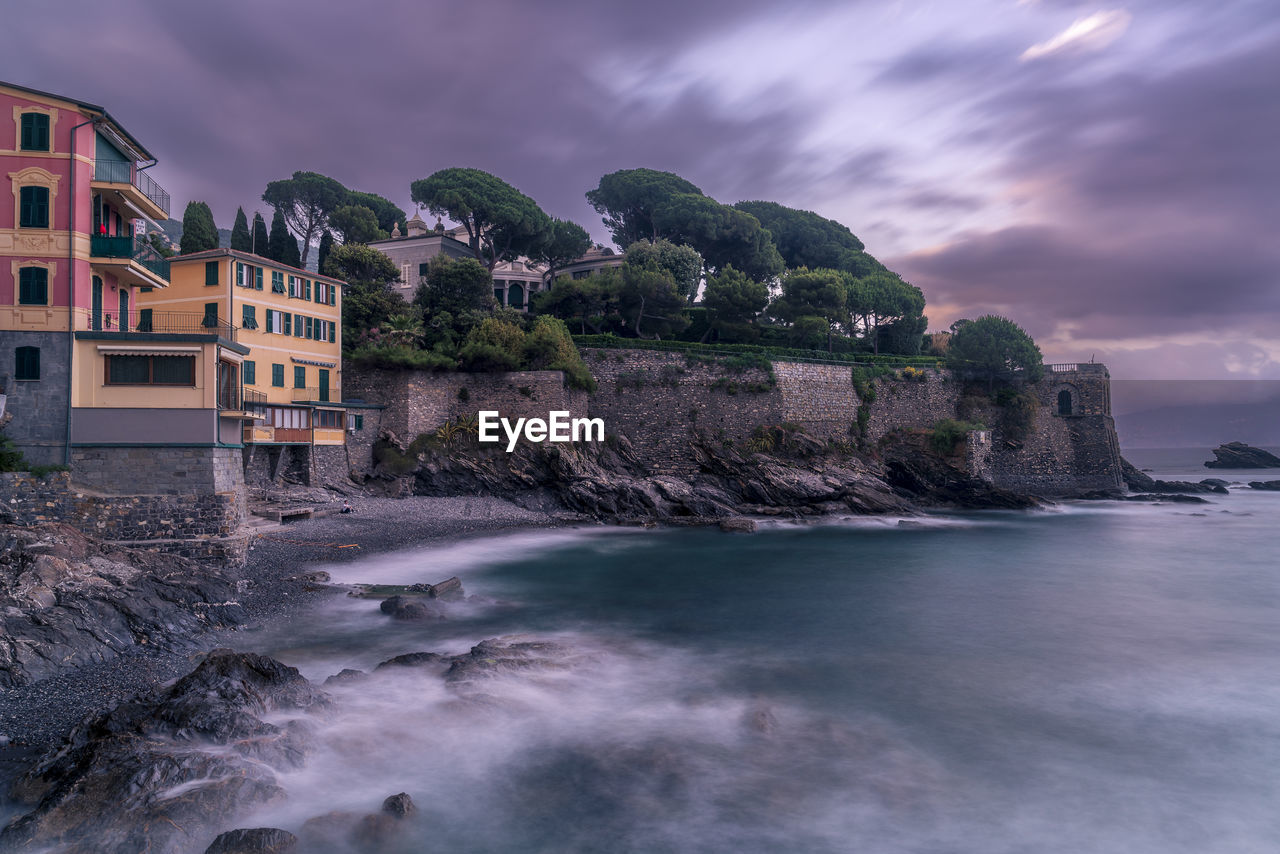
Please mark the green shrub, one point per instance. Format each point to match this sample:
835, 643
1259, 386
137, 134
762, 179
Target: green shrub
43, 471
948, 432
400, 357
479, 357
11, 459
1017, 412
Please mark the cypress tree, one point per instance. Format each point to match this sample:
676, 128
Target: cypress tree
279, 240
292, 255
240, 232
198, 231
258, 242
326, 243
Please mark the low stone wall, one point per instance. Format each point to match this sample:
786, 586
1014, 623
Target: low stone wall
416, 402
195, 524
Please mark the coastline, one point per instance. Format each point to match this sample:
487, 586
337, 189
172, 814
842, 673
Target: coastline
35, 717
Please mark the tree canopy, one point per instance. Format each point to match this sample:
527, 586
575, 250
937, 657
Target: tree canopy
563, 243
387, 212
198, 230
629, 199
880, 300
811, 301
454, 286
305, 201
355, 224
240, 238
734, 300
368, 300
281, 245
501, 222
682, 263
805, 239
994, 349
258, 239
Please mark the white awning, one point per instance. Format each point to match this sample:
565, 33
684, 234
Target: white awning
314, 362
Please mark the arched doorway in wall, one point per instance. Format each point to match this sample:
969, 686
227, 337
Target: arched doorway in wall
515, 295
1064, 402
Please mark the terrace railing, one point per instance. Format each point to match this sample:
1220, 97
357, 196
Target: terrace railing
123, 172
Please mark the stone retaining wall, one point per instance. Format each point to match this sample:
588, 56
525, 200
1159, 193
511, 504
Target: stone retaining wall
195, 524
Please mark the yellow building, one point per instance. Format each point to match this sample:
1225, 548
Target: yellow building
290, 320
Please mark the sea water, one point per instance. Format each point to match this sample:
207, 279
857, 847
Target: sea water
1092, 677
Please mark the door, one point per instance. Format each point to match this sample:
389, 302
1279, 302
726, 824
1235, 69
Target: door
324, 385
210, 315
95, 319
124, 309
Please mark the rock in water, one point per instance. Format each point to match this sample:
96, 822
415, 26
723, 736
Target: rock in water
258, 840
410, 608
1269, 485
160, 771
738, 524
399, 805
1238, 455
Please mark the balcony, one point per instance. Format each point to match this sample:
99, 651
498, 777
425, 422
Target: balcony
314, 395
148, 320
137, 188
131, 259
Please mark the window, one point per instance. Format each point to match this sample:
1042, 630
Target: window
357, 422
322, 293
239, 275
33, 286
257, 278
297, 326
35, 132
422, 268
211, 272
299, 376
277, 376
333, 333
308, 328
330, 418
277, 282
306, 284
249, 317
250, 373
210, 315
287, 316
26, 363
33, 207
151, 370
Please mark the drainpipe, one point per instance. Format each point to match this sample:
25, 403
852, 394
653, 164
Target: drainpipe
71, 289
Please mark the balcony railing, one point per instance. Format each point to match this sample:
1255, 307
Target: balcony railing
118, 172
321, 395
133, 248
148, 320
254, 399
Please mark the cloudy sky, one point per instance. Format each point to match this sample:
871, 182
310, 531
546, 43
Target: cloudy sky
1107, 174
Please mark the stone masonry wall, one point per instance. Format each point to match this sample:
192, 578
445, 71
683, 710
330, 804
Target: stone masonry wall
201, 526
418, 402
36, 410
911, 403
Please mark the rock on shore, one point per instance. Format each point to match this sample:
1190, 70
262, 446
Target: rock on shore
1238, 455
68, 600
165, 771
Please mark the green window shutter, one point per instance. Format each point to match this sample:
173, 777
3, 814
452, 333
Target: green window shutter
144, 320
297, 326
307, 289
33, 207
33, 286
267, 316
210, 315
310, 324
333, 333
299, 376
249, 316
277, 376
35, 132
277, 282
26, 363
357, 421
211, 272
239, 274
422, 268
257, 278
250, 373
287, 318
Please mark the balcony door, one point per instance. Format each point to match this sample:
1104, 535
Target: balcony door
124, 309
228, 385
95, 318
324, 385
